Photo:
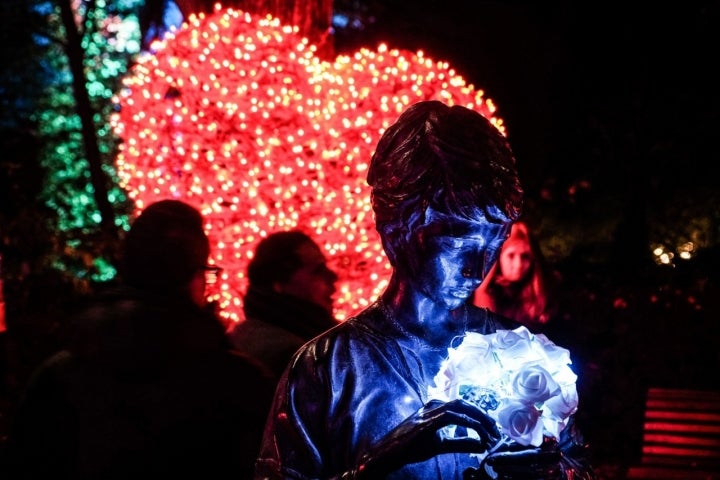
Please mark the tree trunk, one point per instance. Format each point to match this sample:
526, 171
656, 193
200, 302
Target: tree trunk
98, 178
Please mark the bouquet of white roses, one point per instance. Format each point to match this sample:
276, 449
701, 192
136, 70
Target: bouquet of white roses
520, 379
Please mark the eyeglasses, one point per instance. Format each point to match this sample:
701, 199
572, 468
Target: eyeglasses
212, 273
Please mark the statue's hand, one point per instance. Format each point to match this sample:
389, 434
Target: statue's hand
552, 460
419, 437
538, 463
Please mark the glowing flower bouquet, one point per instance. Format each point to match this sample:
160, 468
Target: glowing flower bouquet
520, 379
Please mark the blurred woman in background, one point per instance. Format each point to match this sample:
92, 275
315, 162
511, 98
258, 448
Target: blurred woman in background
519, 286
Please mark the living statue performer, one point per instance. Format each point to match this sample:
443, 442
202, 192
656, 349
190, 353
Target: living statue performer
353, 402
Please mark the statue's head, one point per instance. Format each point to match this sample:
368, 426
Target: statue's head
437, 170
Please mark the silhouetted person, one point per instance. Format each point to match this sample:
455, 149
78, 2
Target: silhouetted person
354, 401
289, 299
148, 386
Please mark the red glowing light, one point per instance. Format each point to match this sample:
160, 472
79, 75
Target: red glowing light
236, 115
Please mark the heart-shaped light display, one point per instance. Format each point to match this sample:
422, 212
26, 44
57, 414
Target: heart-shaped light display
236, 115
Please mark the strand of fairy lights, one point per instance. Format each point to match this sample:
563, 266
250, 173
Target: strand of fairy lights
237, 116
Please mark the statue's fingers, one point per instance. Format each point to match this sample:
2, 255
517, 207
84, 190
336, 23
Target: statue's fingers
478, 421
463, 445
534, 456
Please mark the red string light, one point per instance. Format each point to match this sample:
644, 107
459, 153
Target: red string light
236, 115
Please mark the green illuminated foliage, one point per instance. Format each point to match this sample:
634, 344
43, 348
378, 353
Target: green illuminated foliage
110, 39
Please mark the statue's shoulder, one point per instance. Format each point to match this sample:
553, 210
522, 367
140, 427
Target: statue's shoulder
485, 321
361, 328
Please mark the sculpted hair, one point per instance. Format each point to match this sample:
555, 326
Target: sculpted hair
449, 158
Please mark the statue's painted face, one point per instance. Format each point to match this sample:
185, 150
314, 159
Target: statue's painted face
454, 265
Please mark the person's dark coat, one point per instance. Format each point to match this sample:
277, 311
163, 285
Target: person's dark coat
148, 388
277, 325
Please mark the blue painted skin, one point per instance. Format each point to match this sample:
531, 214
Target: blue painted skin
353, 402
452, 267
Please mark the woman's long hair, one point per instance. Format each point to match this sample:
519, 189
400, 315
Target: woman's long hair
526, 300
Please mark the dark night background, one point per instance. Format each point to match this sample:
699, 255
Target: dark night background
612, 110
590, 90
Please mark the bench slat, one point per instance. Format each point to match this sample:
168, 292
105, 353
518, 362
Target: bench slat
681, 436
669, 439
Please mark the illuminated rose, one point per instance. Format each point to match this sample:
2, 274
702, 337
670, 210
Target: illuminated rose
558, 409
474, 340
470, 356
461, 367
522, 380
506, 340
445, 387
562, 405
555, 354
534, 384
564, 375
520, 422
515, 348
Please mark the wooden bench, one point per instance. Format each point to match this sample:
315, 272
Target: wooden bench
681, 436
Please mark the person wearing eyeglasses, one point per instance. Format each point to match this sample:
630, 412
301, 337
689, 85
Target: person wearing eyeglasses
148, 385
289, 298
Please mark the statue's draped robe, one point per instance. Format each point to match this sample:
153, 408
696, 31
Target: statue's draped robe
347, 389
